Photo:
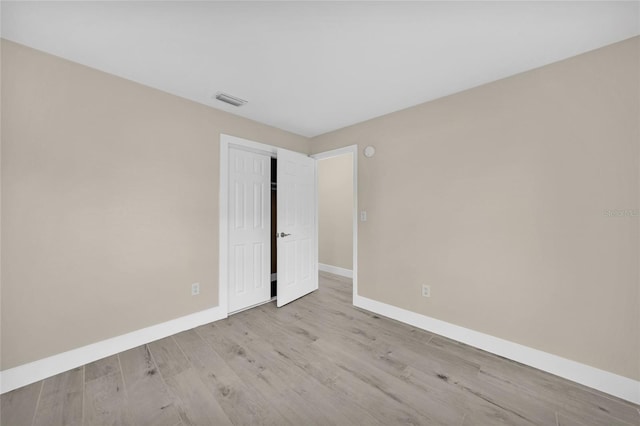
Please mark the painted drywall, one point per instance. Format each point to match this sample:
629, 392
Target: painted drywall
109, 203
335, 211
506, 200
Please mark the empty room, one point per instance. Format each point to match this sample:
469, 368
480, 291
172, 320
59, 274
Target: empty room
320, 213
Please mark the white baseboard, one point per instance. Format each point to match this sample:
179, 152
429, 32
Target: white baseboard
25, 374
336, 270
613, 384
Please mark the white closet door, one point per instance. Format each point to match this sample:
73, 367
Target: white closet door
249, 229
297, 226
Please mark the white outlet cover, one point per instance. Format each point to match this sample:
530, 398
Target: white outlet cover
195, 289
426, 291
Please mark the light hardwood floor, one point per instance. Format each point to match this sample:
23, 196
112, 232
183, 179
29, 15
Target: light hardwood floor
317, 361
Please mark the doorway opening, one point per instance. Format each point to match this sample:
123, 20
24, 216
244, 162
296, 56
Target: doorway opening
335, 215
338, 212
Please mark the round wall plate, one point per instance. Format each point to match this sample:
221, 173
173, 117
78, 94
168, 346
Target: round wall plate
369, 151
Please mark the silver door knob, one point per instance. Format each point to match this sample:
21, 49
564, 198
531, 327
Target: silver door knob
282, 235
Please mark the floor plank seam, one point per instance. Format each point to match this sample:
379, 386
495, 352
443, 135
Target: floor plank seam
124, 382
164, 382
181, 350
35, 411
84, 384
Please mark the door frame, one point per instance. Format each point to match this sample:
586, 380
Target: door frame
353, 150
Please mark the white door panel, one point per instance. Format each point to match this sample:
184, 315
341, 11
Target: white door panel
249, 229
297, 241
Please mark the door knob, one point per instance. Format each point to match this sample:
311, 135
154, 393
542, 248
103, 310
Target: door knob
282, 235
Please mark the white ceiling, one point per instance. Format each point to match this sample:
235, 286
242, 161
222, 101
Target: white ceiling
313, 67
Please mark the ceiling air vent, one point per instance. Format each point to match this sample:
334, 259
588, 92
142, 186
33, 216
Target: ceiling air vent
231, 100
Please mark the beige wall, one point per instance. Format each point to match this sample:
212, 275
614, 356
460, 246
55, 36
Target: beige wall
335, 211
109, 203
496, 197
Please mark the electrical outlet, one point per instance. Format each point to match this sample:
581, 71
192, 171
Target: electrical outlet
195, 289
426, 290
363, 216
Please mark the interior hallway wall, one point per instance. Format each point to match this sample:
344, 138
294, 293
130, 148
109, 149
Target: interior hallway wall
335, 211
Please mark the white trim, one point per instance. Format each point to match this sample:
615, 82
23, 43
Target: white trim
353, 150
336, 270
613, 384
223, 242
32, 372
316, 229
248, 145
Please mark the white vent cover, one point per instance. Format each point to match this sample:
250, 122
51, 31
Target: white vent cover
231, 100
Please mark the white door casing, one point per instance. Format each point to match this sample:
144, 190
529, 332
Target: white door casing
297, 226
249, 212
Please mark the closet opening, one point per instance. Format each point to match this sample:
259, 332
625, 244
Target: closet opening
274, 228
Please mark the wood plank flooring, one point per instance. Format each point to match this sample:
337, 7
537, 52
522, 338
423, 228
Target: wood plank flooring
317, 361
